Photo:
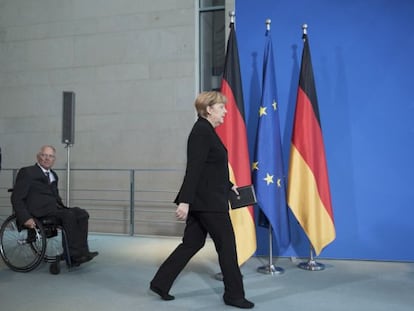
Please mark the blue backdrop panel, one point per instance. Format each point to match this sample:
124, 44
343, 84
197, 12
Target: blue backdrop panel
362, 54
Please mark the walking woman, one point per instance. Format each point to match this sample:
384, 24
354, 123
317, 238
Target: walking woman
203, 203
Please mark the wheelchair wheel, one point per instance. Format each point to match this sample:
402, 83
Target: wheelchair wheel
22, 251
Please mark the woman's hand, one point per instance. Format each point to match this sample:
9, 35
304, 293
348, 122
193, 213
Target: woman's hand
182, 211
234, 189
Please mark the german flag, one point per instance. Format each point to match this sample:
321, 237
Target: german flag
308, 186
234, 136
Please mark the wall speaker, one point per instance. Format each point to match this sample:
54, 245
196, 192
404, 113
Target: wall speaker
68, 120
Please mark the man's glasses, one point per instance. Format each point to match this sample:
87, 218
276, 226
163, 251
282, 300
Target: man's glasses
50, 156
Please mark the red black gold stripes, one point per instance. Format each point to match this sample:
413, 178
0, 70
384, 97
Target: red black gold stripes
234, 136
308, 184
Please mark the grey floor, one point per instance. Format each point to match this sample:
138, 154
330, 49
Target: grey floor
117, 280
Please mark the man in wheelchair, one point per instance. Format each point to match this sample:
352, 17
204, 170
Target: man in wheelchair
35, 194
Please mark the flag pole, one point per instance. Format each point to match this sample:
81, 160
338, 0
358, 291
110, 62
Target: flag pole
232, 15
270, 268
311, 264
219, 276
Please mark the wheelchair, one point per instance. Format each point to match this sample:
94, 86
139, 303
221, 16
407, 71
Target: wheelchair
23, 249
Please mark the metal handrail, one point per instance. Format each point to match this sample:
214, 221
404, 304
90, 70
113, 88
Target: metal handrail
138, 196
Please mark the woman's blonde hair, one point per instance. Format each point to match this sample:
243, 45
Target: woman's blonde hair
206, 99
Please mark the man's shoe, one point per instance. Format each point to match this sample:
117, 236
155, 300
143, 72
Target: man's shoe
163, 295
92, 254
77, 261
242, 303
74, 264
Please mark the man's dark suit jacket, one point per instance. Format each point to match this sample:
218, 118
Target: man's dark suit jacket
33, 195
206, 183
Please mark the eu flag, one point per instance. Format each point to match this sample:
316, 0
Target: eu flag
268, 172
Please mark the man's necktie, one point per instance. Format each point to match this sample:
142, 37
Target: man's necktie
48, 177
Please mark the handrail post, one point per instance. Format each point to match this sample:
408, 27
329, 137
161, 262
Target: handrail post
132, 203
14, 175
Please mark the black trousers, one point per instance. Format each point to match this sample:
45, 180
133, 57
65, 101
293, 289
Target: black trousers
198, 224
75, 222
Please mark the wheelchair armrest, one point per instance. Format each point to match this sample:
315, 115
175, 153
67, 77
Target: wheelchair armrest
49, 220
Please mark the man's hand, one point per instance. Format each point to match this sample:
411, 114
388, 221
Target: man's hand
30, 223
182, 211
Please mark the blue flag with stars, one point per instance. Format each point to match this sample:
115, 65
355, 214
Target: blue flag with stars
268, 173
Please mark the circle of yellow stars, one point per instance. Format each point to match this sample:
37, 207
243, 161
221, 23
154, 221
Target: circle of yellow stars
255, 165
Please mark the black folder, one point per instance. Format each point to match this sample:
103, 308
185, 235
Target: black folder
246, 197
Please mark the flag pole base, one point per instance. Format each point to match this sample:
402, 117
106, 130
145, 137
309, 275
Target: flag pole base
312, 265
270, 269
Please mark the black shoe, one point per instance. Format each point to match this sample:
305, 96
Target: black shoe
92, 254
242, 303
77, 261
163, 295
74, 264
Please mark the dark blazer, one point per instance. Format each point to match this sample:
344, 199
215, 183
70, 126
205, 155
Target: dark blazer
33, 195
206, 183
